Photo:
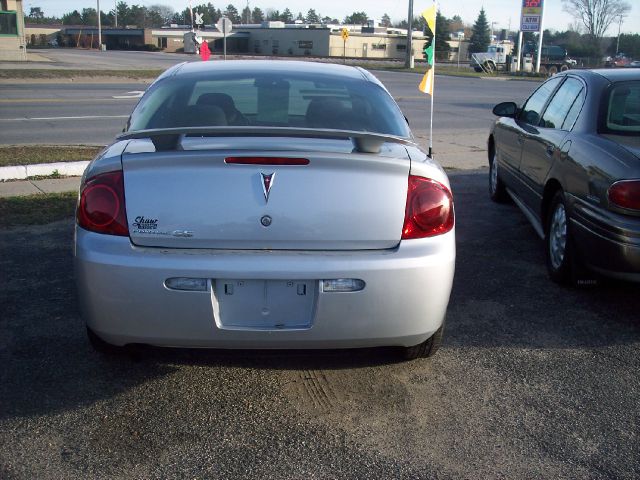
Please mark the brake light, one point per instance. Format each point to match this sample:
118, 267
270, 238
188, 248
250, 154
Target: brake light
625, 194
101, 208
429, 211
266, 161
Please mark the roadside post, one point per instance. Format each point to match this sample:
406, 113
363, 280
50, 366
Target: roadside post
345, 37
225, 26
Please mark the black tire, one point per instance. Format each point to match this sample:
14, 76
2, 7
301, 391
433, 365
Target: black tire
497, 190
559, 251
564, 68
489, 67
426, 349
99, 345
553, 70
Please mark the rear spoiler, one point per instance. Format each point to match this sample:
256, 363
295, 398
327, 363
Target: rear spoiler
167, 139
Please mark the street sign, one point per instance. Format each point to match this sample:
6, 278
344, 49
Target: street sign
224, 25
345, 34
199, 20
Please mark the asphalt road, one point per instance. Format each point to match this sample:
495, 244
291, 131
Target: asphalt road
68, 113
533, 381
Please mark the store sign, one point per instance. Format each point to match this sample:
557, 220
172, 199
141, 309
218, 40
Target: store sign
530, 23
531, 17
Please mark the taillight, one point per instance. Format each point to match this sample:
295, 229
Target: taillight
625, 194
101, 208
429, 209
266, 161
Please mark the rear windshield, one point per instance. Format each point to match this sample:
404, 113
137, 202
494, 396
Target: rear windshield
270, 100
623, 109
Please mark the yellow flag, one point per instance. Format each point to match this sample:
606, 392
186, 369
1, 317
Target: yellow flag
426, 85
430, 16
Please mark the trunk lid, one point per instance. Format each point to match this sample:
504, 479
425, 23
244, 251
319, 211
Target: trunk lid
191, 198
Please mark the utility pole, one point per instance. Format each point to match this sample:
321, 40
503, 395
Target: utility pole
99, 27
409, 54
619, 28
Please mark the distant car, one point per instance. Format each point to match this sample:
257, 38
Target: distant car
570, 159
634, 64
265, 204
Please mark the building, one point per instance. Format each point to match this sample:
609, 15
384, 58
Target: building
268, 38
276, 38
12, 33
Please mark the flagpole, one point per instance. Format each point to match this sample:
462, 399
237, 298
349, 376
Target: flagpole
433, 87
431, 116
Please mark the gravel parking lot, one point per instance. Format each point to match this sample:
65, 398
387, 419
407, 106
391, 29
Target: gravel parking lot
533, 381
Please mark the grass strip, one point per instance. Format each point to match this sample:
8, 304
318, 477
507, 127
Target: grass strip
46, 73
37, 209
36, 154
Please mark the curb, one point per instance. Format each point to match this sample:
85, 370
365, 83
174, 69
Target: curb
21, 172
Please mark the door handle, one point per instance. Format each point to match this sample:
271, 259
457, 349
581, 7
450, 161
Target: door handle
550, 150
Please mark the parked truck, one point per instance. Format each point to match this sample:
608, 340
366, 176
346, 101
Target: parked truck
495, 58
554, 59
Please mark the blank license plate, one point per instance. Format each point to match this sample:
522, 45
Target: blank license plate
264, 304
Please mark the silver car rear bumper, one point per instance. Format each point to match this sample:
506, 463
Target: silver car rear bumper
124, 300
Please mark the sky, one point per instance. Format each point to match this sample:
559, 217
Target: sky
502, 12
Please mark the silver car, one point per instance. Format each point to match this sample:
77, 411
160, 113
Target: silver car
265, 204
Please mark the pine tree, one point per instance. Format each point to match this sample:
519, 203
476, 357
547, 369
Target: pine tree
287, 16
257, 15
232, 14
442, 36
480, 39
386, 20
312, 16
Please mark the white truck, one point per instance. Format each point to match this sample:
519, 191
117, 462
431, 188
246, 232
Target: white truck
495, 58
554, 59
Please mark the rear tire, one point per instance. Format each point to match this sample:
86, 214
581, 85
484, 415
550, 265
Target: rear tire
553, 70
100, 346
543, 70
564, 68
497, 190
426, 349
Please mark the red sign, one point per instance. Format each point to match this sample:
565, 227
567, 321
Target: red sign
205, 53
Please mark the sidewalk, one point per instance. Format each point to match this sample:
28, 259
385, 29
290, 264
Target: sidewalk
35, 187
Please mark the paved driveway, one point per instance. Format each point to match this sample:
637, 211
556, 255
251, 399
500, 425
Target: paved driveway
533, 381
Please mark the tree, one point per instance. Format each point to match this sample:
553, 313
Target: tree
160, 14
330, 21
232, 14
630, 44
35, 13
596, 15
386, 20
273, 15
442, 36
257, 15
480, 38
312, 16
89, 16
287, 16
246, 15
72, 18
356, 18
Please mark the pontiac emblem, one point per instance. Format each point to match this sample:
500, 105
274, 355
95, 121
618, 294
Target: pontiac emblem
267, 183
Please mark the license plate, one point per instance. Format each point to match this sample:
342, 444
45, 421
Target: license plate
264, 304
